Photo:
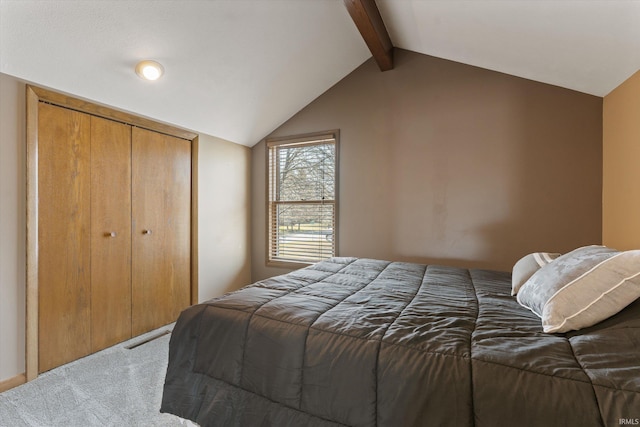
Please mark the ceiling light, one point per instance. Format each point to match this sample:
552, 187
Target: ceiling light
149, 70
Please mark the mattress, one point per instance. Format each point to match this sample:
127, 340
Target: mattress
361, 342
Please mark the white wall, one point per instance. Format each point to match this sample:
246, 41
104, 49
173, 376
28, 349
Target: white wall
224, 215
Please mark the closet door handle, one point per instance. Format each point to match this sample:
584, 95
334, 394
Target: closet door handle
146, 231
110, 234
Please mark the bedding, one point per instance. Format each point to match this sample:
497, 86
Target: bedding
527, 266
582, 287
360, 342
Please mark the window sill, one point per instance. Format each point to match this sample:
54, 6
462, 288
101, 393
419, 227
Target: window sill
294, 265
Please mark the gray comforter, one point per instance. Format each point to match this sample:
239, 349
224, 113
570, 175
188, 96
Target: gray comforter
362, 342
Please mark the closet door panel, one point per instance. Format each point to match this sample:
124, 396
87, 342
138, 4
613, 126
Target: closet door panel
64, 293
161, 206
110, 233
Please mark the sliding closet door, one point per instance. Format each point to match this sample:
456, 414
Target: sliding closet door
110, 233
64, 221
161, 202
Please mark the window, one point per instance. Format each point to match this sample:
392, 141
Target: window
302, 198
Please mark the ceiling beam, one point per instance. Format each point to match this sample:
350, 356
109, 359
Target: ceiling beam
366, 16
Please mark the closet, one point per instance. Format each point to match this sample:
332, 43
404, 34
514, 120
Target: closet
160, 246
114, 232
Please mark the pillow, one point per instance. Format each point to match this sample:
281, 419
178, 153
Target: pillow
582, 287
526, 266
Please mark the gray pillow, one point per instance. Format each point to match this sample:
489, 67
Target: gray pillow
582, 287
526, 266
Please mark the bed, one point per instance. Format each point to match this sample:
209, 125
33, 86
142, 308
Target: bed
361, 342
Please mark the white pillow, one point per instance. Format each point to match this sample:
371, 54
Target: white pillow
526, 266
582, 287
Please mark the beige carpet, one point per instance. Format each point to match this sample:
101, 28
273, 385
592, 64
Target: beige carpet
115, 387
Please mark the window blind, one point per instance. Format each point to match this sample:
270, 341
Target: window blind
302, 202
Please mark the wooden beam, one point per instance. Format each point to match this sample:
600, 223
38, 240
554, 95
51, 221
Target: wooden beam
366, 16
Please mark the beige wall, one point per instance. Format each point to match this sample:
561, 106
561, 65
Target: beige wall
447, 163
12, 226
621, 174
224, 205
224, 233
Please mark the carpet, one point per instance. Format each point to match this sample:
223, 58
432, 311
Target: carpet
114, 387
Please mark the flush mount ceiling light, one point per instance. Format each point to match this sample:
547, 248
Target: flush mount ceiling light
149, 70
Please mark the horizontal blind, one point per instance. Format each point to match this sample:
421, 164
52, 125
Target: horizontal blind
307, 240
302, 203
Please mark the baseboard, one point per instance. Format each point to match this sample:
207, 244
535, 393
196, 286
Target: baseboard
12, 382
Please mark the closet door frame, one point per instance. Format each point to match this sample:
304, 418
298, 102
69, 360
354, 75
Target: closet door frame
35, 95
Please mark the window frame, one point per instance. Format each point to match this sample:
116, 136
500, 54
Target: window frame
293, 140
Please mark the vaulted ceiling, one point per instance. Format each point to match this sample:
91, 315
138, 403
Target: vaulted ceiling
237, 69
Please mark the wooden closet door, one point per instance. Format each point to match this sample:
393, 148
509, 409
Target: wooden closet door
64, 280
110, 233
161, 205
